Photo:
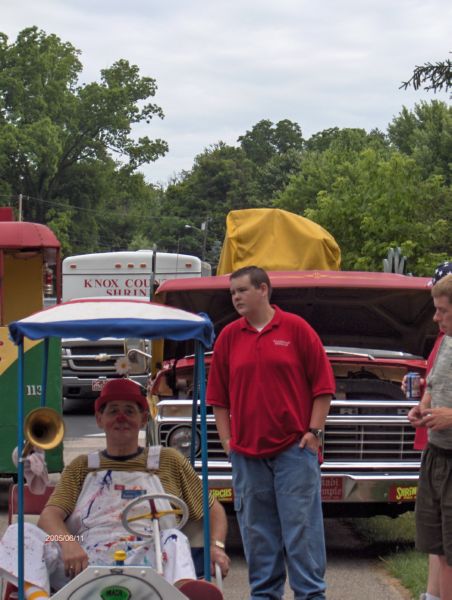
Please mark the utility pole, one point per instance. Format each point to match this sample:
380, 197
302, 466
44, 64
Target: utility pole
204, 227
153, 272
20, 207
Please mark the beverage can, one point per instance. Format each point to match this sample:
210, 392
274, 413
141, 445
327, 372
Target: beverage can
413, 385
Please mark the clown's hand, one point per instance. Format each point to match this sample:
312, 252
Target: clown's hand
35, 470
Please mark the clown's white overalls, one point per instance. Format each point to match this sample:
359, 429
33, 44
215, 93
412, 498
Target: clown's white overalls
96, 524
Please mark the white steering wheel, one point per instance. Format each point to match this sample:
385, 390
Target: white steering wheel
178, 508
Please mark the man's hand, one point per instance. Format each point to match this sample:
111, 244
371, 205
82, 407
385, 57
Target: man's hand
437, 419
226, 446
218, 530
415, 416
310, 441
404, 386
219, 556
74, 557
52, 521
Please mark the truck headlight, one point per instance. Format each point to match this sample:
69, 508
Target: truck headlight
180, 439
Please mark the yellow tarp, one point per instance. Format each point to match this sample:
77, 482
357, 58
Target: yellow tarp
276, 240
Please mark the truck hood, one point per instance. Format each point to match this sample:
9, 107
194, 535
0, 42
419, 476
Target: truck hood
384, 311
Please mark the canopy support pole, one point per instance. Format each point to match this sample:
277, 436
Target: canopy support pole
45, 366
20, 471
194, 414
201, 393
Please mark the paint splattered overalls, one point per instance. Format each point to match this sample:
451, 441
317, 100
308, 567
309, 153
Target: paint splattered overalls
96, 523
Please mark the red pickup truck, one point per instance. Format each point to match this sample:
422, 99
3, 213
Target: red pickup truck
375, 327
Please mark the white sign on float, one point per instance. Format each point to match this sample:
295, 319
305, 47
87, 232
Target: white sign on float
122, 285
125, 273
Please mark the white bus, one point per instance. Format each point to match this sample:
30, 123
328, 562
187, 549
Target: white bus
87, 365
131, 273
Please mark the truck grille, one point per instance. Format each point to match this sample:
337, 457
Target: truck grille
369, 430
356, 431
369, 442
92, 357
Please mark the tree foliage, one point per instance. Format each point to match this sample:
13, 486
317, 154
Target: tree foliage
55, 132
266, 139
384, 202
432, 76
71, 151
425, 133
225, 178
374, 192
222, 179
327, 157
275, 151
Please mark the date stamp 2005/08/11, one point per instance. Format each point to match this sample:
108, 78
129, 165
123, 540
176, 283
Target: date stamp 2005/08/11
64, 537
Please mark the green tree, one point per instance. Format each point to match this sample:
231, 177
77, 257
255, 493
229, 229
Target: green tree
60, 222
382, 203
266, 139
328, 156
222, 179
132, 214
274, 176
425, 133
345, 140
435, 76
275, 150
322, 140
51, 127
372, 193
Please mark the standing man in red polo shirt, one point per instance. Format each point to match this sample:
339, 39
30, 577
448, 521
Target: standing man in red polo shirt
270, 385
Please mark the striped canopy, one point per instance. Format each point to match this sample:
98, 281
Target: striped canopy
95, 318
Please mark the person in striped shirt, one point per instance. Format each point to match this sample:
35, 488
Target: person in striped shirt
82, 521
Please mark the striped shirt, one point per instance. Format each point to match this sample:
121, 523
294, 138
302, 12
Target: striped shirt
175, 472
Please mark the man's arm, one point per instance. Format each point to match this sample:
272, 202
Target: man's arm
218, 530
52, 521
320, 410
423, 415
417, 413
437, 418
223, 423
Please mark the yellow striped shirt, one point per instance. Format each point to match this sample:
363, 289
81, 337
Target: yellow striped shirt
175, 472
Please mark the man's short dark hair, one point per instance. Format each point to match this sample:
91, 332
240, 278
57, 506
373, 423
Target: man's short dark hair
443, 288
257, 277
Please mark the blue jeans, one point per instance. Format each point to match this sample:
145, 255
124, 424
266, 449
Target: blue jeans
279, 512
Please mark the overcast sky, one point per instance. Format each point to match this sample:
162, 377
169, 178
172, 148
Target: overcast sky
223, 65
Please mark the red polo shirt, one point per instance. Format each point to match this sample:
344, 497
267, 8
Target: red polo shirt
268, 380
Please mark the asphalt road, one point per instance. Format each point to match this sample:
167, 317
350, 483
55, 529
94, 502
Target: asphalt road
353, 573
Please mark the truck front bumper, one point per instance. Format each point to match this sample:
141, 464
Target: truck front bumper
347, 494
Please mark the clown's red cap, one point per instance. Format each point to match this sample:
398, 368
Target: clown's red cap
124, 390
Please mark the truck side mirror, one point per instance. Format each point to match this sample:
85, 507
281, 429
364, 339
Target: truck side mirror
135, 351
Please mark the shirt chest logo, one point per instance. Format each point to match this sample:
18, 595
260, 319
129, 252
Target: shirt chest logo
283, 343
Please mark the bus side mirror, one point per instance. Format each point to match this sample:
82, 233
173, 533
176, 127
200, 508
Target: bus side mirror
136, 352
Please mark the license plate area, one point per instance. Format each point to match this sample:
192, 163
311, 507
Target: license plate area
98, 384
